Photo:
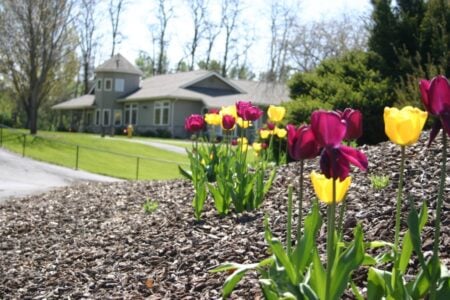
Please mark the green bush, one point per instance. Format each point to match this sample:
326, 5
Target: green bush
338, 83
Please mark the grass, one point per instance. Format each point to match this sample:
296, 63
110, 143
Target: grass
111, 157
150, 206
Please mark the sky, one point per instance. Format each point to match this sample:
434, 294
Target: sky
140, 14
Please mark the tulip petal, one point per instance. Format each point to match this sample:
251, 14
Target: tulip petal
333, 164
434, 131
439, 95
424, 86
328, 128
323, 188
353, 120
355, 157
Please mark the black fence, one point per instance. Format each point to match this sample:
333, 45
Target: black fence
20, 142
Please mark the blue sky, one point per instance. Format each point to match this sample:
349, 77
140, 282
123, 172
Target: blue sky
138, 16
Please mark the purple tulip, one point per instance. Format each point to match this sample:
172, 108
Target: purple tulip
228, 122
329, 130
247, 111
241, 107
301, 142
194, 123
353, 120
436, 99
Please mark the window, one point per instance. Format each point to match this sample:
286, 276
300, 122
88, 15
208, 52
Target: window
119, 85
106, 115
131, 114
161, 115
99, 84
97, 117
108, 84
117, 117
88, 118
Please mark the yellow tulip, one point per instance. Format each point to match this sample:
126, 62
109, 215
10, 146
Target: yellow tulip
403, 127
280, 132
229, 110
276, 113
264, 133
213, 119
242, 123
257, 146
242, 141
323, 187
244, 147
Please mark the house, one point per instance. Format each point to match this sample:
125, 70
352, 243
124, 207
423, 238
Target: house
160, 103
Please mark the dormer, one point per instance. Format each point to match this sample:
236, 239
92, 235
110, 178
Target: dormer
213, 85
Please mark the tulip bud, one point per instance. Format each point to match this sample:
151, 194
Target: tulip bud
228, 122
194, 123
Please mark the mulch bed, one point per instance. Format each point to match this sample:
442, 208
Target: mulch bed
94, 240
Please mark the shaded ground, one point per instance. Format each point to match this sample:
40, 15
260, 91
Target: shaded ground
93, 240
21, 176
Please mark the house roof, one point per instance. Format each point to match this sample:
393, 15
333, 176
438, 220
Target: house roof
85, 101
118, 64
181, 86
196, 86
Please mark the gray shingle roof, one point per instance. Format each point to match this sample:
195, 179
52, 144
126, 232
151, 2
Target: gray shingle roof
176, 86
85, 101
118, 64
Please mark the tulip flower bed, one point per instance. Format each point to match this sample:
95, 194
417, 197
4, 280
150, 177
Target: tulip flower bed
379, 245
96, 241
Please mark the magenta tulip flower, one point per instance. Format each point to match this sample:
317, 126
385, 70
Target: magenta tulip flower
228, 122
302, 143
241, 107
194, 123
353, 120
436, 99
329, 130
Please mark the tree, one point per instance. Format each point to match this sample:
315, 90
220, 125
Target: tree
231, 11
145, 63
34, 41
198, 11
165, 13
282, 20
213, 65
86, 26
316, 41
115, 9
212, 31
350, 80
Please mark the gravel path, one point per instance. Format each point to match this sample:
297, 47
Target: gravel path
21, 176
94, 241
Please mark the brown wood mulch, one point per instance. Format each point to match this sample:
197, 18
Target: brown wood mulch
96, 241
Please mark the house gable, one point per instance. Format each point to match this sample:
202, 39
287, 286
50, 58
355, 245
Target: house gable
213, 85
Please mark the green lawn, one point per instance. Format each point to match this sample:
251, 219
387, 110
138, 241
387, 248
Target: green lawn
106, 156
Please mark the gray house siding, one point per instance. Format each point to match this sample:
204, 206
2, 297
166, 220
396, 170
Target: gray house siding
178, 111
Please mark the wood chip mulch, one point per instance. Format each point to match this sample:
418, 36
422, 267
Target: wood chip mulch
94, 240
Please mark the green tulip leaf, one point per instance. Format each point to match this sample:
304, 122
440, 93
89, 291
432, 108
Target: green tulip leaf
407, 247
307, 292
185, 173
318, 275
355, 291
302, 253
378, 284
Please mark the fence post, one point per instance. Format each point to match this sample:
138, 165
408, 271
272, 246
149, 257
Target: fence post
76, 159
137, 168
24, 144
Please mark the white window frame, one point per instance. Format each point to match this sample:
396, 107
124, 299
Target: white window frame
114, 117
161, 105
110, 87
117, 85
99, 84
98, 116
104, 123
128, 110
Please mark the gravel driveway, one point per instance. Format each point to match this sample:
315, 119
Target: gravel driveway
20, 176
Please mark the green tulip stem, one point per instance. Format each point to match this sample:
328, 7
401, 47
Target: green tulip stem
300, 203
279, 152
289, 220
342, 209
397, 213
331, 211
437, 221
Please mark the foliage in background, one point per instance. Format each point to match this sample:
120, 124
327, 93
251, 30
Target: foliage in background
348, 81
